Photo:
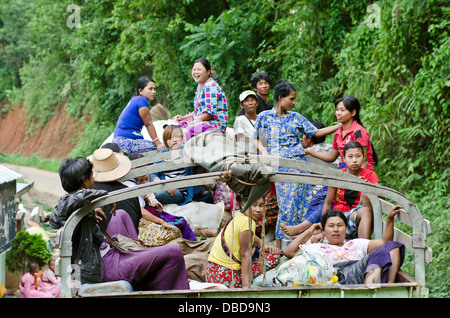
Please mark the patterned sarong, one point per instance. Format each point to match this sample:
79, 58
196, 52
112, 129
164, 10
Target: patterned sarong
352, 272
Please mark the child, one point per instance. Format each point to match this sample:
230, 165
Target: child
173, 139
157, 268
347, 113
153, 206
355, 205
281, 128
234, 237
28, 288
49, 282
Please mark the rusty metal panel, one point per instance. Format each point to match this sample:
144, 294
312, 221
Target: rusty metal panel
7, 214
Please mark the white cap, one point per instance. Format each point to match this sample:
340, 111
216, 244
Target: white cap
246, 94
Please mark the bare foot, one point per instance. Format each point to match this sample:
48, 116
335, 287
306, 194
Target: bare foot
204, 232
290, 230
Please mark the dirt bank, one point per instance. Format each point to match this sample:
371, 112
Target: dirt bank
55, 140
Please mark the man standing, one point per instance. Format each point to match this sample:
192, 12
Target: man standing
260, 83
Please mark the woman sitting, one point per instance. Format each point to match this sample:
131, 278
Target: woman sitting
230, 256
134, 116
360, 260
210, 103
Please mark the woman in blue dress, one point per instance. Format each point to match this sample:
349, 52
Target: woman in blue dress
134, 116
283, 129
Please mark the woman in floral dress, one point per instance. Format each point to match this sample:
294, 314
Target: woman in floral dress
283, 129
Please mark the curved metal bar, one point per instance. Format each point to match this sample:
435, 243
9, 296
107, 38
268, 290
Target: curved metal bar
163, 166
156, 157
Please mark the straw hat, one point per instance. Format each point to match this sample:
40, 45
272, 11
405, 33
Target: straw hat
109, 165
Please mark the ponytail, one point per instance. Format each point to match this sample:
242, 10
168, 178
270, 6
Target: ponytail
351, 103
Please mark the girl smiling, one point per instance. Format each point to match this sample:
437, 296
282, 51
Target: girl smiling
347, 113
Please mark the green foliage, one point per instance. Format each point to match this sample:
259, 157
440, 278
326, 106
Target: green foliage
391, 55
26, 248
32, 161
231, 42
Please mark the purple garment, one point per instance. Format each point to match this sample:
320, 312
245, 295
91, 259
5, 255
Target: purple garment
352, 272
195, 129
178, 221
381, 257
153, 268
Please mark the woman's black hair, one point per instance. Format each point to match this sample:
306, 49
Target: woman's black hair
141, 83
318, 124
283, 89
204, 62
73, 172
352, 103
353, 144
111, 145
257, 77
331, 213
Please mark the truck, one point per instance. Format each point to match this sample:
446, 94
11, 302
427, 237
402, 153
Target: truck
318, 172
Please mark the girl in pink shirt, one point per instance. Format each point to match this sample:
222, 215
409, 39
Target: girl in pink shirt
28, 286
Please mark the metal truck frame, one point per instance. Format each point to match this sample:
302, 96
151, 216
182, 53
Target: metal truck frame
320, 173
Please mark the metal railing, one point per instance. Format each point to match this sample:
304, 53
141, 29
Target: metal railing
321, 173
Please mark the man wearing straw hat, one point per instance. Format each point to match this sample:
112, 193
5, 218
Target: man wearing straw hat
155, 268
108, 167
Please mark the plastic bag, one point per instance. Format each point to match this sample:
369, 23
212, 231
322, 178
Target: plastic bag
306, 269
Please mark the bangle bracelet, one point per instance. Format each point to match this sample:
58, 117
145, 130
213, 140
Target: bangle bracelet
155, 139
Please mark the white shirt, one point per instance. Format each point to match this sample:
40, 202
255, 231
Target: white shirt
352, 250
245, 126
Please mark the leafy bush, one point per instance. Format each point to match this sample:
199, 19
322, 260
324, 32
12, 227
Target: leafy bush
26, 248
